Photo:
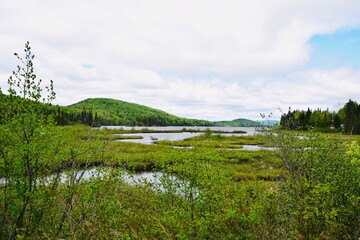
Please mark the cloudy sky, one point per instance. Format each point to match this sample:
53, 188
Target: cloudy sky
208, 59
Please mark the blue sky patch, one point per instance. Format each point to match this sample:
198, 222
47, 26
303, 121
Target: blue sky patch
339, 49
87, 66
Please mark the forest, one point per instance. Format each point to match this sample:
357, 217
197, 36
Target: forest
306, 187
347, 119
105, 111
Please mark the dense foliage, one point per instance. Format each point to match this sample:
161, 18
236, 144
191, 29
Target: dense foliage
351, 119
320, 197
347, 119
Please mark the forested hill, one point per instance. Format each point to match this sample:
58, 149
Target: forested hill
105, 111
241, 122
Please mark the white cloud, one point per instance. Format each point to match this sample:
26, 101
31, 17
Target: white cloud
245, 54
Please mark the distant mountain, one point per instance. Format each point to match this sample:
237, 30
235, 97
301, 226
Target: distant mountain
241, 122
269, 122
106, 111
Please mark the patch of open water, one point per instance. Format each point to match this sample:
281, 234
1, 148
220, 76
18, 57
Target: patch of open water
256, 148
150, 138
158, 181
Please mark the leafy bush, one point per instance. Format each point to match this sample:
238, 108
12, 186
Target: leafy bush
321, 194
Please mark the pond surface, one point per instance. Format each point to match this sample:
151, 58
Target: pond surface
249, 130
158, 181
152, 177
256, 148
150, 138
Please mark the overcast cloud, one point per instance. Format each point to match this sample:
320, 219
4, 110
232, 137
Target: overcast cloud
214, 60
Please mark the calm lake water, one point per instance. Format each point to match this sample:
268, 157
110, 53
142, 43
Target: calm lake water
150, 138
256, 148
249, 130
155, 180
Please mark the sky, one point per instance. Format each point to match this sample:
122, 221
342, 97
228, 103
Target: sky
205, 59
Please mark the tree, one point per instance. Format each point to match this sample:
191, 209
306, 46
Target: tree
337, 121
34, 154
352, 117
25, 150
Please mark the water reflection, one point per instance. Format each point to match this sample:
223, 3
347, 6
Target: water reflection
158, 181
248, 130
150, 138
256, 148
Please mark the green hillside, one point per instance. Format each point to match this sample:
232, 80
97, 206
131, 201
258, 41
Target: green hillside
105, 111
241, 122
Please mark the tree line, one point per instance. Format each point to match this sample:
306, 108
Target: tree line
92, 118
347, 119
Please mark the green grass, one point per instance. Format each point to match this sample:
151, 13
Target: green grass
208, 148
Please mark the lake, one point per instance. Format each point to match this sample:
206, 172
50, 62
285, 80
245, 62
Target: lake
150, 138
